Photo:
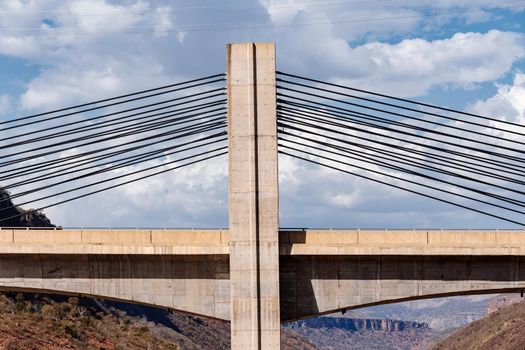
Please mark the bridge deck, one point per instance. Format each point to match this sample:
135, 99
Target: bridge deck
302, 242
320, 271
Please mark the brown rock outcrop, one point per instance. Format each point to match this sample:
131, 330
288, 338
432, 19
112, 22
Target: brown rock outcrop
29, 218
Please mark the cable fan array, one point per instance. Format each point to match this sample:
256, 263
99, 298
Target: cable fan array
56, 157
463, 159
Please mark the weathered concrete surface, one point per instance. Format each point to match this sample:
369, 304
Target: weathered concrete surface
193, 283
326, 270
313, 284
253, 196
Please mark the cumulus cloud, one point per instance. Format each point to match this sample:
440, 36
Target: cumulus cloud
99, 15
413, 66
379, 18
71, 84
508, 103
85, 58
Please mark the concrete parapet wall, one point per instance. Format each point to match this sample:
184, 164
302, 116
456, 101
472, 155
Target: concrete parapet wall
402, 242
307, 242
140, 241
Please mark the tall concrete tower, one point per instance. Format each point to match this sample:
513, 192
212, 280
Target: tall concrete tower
253, 196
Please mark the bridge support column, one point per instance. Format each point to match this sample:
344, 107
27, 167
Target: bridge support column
253, 197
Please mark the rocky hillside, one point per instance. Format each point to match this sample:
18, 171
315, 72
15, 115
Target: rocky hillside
29, 321
28, 219
46, 324
502, 330
502, 301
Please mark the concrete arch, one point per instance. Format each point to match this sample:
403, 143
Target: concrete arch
8, 289
420, 297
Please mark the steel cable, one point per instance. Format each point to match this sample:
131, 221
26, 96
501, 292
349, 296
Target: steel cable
118, 185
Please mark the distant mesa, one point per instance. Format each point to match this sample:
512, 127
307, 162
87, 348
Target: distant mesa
29, 218
357, 325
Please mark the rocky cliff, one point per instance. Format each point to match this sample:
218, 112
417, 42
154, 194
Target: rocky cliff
361, 333
27, 219
357, 325
440, 314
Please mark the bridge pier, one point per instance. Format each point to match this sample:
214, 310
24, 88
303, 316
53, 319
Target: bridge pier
253, 197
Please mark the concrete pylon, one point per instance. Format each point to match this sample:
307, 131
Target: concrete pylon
253, 197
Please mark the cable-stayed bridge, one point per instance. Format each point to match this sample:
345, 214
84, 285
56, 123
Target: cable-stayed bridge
254, 273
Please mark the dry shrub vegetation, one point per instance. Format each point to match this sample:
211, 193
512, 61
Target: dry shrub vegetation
46, 324
39, 321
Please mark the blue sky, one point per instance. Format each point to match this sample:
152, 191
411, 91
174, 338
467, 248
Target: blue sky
463, 54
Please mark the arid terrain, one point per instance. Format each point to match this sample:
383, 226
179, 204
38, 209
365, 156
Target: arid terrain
502, 330
44, 322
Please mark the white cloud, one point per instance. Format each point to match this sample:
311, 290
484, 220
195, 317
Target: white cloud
5, 104
70, 85
81, 66
18, 46
99, 15
85, 58
508, 103
163, 21
377, 18
180, 198
413, 66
